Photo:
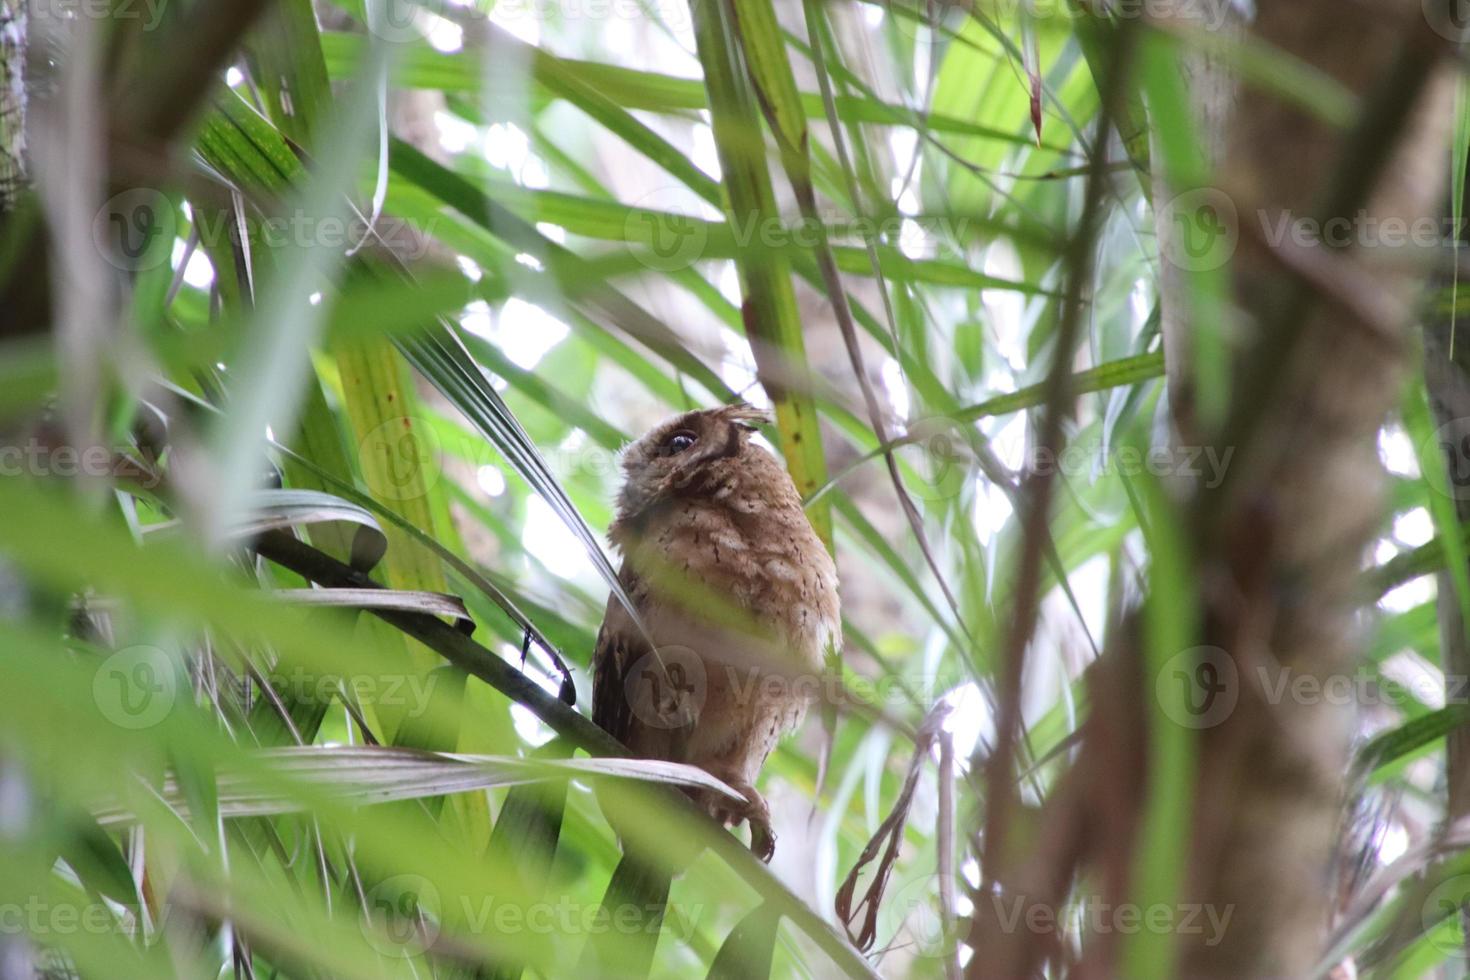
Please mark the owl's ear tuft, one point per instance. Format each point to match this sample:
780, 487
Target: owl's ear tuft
746, 416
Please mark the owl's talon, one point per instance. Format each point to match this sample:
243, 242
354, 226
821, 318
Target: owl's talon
754, 812
762, 839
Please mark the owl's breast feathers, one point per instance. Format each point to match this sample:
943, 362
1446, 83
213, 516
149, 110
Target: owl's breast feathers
737, 548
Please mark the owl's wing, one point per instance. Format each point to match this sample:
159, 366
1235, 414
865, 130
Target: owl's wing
620, 645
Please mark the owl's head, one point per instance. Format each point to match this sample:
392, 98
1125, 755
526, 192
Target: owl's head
686, 455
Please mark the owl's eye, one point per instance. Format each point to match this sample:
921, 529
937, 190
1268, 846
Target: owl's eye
678, 442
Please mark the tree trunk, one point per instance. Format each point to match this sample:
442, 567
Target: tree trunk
1212, 94
1278, 547
12, 102
1317, 343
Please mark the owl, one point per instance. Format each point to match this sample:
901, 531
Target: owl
737, 606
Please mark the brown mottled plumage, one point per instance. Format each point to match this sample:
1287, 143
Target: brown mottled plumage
737, 594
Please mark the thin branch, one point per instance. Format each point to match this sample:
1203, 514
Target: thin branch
1001, 788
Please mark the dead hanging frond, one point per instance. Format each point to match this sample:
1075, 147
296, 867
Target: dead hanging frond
890, 832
